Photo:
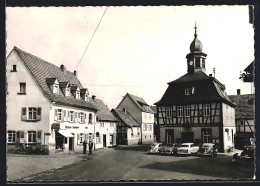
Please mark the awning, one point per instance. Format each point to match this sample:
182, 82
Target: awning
65, 133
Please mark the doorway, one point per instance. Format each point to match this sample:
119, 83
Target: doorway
187, 137
169, 135
71, 143
104, 140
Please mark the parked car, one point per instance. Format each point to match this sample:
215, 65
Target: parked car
187, 148
154, 149
208, 149
170, 149
247, 155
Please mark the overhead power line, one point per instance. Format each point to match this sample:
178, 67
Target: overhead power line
91, 39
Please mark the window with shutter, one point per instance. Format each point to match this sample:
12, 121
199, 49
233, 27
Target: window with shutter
21, 134
75, 116
68, 116
85, 115
39, 136
23, 117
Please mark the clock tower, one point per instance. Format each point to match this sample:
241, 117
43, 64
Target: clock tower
196, 58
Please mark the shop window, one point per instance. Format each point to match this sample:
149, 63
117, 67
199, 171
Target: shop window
10, 136
32, 136
168, 112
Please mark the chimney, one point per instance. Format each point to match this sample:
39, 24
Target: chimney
124, 109
63, 68
93, 97
238, 92
75, 73
210, 75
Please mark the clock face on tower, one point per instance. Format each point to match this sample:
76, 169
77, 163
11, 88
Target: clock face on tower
191, 62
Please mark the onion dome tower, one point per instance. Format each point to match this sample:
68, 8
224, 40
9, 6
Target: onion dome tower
196, 58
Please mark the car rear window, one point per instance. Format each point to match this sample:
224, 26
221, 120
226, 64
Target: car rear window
184, 145
205, 146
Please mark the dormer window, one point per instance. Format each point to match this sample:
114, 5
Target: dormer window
67, 93
77, 95
56, 89
190, 91
86, 97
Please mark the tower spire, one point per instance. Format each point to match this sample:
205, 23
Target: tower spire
195, 35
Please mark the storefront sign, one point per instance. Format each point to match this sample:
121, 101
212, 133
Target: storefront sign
71, 127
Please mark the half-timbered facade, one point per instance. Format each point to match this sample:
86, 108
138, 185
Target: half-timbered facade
128, 130
245, 119
195, 107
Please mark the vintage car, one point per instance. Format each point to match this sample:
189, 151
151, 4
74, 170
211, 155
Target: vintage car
247, 155
187, 148
154, 149
208, 149
170, 149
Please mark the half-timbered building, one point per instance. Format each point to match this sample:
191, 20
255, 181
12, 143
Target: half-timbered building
245, 119
128, 130
195, 107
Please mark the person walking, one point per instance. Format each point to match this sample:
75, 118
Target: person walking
90, 146
84, 147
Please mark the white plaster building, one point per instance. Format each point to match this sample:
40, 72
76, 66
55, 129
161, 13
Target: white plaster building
46, 105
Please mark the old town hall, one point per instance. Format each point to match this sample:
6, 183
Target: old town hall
195, 107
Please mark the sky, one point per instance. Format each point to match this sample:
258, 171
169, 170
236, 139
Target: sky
135, 50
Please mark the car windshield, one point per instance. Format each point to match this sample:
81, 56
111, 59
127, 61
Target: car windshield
184, 145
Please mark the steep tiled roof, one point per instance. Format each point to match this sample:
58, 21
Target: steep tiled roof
103, 113
206, 89
140, 102
42, 70
126, 118
245, 107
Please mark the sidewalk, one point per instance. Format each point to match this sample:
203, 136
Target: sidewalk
20, 166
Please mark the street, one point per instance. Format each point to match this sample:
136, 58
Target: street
133, 163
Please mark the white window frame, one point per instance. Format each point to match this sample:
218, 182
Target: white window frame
59, 114
180, 111
56, 88
206, 110
32, 113
67, 94
32, 138
81, 116
187, 111
86, 97
22, 88
187, 91
11, 136
206, 136
71, 116
77, 95
168, 112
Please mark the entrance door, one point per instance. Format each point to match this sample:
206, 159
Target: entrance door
104, 140
187, 137
169, 135
71, 143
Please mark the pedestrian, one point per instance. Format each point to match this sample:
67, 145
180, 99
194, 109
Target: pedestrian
90, 146
84, 147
